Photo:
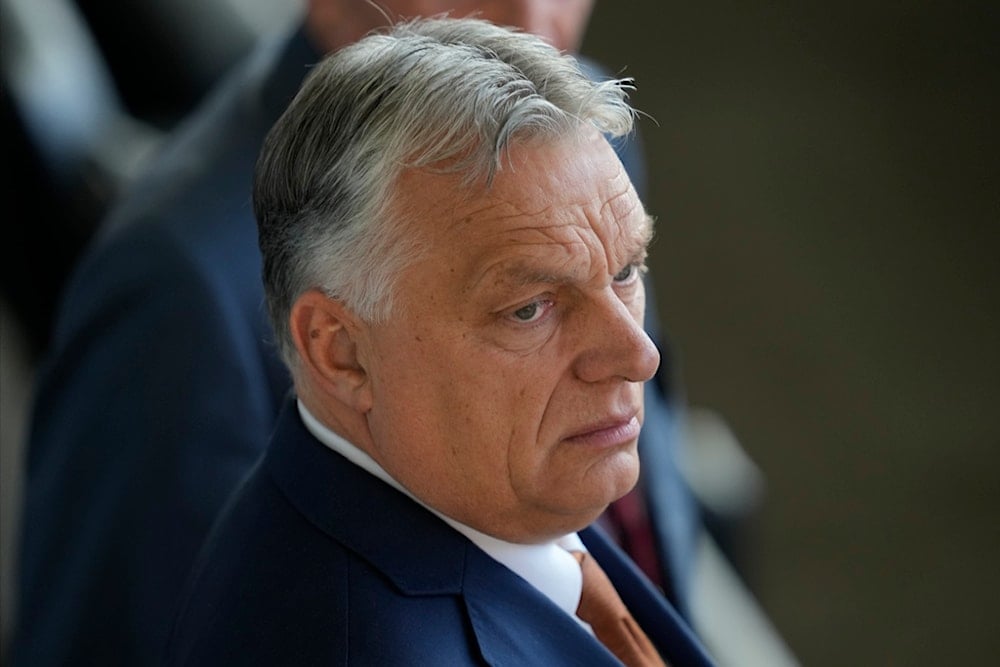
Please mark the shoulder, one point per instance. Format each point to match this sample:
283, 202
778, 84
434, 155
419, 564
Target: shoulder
266, 589
146, 284
272, 588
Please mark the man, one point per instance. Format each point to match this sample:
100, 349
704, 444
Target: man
162, 384
452, 258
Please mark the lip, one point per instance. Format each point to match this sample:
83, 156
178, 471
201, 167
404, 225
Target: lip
610, 432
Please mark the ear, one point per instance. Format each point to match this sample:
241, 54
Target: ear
325, 334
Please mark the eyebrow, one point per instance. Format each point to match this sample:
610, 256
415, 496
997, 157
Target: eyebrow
645, 236
524, 275
638, 240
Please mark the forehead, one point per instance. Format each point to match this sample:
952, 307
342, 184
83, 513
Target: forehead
550, 202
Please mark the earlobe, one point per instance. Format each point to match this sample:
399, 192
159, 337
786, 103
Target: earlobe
325, 335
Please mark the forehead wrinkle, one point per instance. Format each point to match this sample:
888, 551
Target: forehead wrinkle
587, 238
590, 241
524, 269
533, 231
487, 213
627, 233
472, 218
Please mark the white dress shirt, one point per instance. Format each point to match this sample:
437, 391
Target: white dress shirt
549, 567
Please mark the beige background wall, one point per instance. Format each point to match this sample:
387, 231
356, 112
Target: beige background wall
826, 181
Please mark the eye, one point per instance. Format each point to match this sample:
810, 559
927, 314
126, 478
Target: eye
531, 312
627, 275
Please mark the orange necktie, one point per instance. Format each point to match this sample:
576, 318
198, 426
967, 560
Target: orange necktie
610, 620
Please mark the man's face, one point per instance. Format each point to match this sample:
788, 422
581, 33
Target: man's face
561, 22
507, 386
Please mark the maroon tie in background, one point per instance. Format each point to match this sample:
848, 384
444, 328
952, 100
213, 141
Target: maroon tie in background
630, 524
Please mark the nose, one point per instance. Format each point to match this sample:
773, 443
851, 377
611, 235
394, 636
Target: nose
616, 345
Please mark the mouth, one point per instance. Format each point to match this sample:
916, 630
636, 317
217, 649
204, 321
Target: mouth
611, 432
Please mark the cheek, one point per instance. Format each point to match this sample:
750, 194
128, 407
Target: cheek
484, 409
637, 304
539, 414
448, 390
511, 409
506, 428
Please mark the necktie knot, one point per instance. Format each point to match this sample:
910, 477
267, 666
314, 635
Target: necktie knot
609, 618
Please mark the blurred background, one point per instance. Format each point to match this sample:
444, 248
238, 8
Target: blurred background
825, 176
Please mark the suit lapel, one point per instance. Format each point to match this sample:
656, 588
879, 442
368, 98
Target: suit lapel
417, 551
516, 625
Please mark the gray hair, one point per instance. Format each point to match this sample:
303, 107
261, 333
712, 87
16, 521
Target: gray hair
450, 95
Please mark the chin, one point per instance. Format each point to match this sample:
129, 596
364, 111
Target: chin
622, 474
614, 489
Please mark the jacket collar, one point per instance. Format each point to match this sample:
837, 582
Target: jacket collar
515, 625
365, 514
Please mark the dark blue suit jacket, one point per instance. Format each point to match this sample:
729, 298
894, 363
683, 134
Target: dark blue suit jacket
162, 386
318, 562
159, 391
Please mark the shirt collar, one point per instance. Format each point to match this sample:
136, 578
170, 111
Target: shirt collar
549, 567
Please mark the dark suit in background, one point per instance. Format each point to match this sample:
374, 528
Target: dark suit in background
162, 386
159, 390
